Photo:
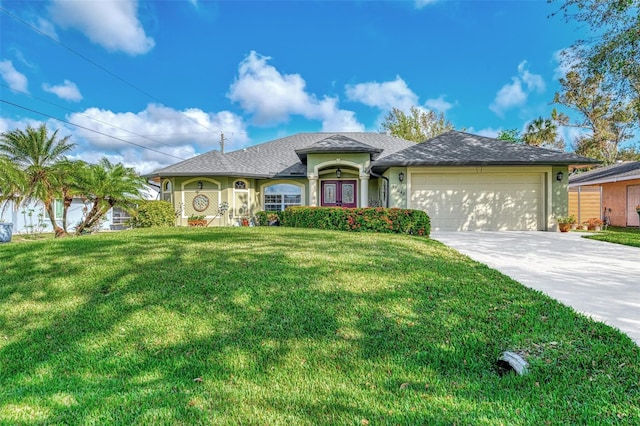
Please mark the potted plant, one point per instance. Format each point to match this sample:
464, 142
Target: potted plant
594, 224
245, 221
196, 220
564, 222
6, 231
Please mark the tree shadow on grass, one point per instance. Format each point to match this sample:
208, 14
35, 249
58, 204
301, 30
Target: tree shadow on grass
235, 326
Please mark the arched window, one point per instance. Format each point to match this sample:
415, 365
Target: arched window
280, 196
167, 191
240, 184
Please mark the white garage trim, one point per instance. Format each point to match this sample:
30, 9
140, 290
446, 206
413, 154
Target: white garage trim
482, 198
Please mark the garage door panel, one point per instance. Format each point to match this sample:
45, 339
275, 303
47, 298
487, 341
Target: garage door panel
489, 201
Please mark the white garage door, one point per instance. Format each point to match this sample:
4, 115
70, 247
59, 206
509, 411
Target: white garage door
480, 201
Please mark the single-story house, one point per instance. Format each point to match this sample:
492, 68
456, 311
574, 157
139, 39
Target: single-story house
618, 188
463, 181
31, 217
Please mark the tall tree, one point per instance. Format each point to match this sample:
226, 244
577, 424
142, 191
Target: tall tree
510, 135
543, 132
12, 183
418, 125
37, 154
106, 185
613, 48
607, 119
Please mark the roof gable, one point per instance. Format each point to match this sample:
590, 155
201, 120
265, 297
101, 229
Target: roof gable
455, 148
338, 144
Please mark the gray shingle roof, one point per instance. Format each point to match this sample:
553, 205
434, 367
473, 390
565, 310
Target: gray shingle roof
464, 149
278, 157
626, 170
337, 144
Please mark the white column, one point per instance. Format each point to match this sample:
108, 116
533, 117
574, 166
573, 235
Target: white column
313, 190
364, 190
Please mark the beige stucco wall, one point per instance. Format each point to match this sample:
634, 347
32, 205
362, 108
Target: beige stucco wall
559, 192
397, 190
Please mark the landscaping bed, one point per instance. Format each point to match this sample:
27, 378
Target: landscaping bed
272, 325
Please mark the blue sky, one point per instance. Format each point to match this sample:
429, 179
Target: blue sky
182, 72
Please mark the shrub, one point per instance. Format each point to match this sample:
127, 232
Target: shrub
368, 219
263, 218
157, 213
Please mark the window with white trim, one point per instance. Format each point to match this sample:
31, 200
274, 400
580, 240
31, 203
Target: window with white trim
58, 207
167, 193
280, 196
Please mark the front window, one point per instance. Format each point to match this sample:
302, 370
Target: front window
59, 208
279, 197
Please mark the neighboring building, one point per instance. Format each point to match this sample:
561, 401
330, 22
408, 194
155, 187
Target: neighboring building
463, 181
616, 186
32, 218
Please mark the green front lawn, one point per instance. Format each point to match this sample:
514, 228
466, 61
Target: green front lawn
626, 236
292, 326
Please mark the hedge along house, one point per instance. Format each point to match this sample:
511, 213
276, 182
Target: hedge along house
463, 181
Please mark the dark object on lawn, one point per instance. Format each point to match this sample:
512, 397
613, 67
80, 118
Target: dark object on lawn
511, 361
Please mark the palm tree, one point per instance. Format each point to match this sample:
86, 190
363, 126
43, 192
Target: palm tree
107, 185
70, 186
37, 155
543, 132
12, 183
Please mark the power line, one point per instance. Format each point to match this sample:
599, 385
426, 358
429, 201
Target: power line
91, 130
97, 65
91, 118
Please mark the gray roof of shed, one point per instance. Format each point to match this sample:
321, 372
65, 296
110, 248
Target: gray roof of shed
626, 170
455, 148
278, 158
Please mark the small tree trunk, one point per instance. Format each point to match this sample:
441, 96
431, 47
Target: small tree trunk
59, 232
88, 218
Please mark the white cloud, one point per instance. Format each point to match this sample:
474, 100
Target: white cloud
489, 132
112, 24
14, 79
516, 93
534, 82
46, 27
161, 128
67, 91
439, 104
272, 97
422, 3
385, 95
8, 124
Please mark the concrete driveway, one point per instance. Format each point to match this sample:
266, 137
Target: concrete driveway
601, 280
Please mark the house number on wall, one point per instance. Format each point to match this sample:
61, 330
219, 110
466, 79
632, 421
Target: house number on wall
200, 202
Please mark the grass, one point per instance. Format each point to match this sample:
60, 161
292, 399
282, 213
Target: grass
288, 326
625, 236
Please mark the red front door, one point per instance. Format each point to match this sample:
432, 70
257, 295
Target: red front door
339, 193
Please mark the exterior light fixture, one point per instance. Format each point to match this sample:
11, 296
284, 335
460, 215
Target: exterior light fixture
199, 184
559, 176
338, 173
400, 176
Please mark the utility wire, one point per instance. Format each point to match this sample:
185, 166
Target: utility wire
91, 130
97, 65
91, 118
